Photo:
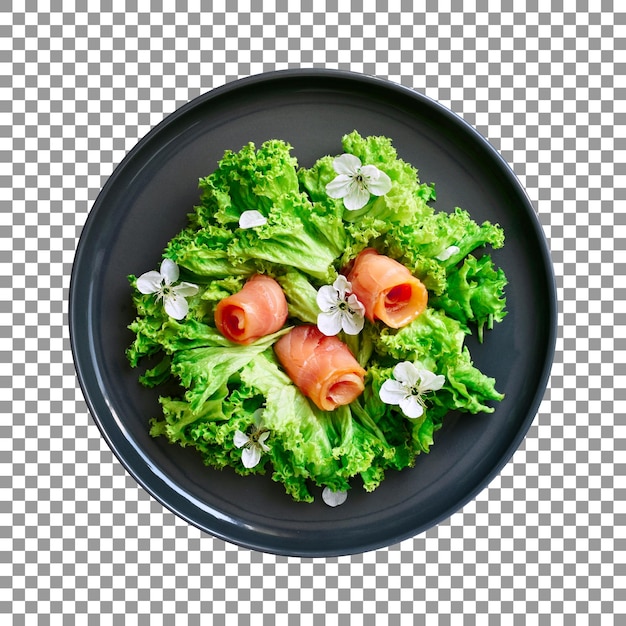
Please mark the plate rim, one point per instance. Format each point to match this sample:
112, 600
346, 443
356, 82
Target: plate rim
74, 314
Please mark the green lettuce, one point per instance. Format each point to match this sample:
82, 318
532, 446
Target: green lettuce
301, 296
304, 236
325, 448
302, 438
298, 232
474, 294
262, 179
437, 342
204, 254
419, 246
211, 429
405, 204
202, 371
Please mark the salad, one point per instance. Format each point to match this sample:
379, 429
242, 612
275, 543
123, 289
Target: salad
313, 320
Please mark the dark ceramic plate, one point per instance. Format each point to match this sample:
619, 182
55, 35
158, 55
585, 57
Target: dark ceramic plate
145, 203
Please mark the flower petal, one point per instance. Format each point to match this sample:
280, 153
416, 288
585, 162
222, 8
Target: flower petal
327, 298
380, 184
251, 218
358, 196
352, 324
406, 373
429, 381
334, 498
240, 439
339, 186
342, 286
169, 271
411, 407
392, 392
444, 255
150, 282
262, 439
257, 417
185, 289
250, 456
370, 173
176, 306
355, 304
330, 323
347, 164
438, 383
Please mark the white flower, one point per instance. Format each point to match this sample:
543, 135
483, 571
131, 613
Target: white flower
251, 218
253, 444
341, 309
162, 284
408, 388
334, 498
445, 254
355, 182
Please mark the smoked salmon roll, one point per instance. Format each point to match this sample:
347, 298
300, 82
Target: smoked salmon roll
322, 367
259, 309
387, 290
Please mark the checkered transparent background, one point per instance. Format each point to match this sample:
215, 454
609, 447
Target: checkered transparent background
81, 82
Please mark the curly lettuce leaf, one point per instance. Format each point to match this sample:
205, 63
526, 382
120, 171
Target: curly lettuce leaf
203, 254
419, 246
247, 179
302, 439
303, 235
405, 203
202, 371
211, 429
409, 437
298, 232
474, 294
325, 448
301, 296
437, 341
179, 415
162, 333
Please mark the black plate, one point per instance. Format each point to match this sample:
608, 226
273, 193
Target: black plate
145, 203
